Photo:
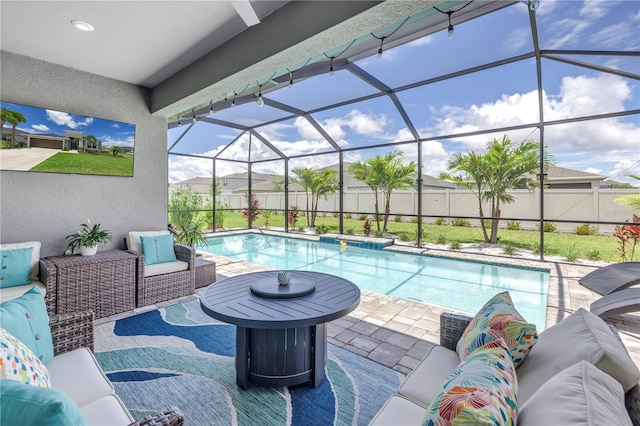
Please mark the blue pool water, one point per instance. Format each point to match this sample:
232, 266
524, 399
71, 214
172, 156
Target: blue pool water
456, 284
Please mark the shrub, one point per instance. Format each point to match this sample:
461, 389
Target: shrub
441, 239
414, 220
593, 254
509, 249
266, 215
379, 234
301, 228
362, 217
512, 225
336, 214
348, 216
294, 211
441, 221
487, 224
350, 230
460, 222
397, 218
536, 248
572, 254
586, 229
548, 227
455, 245
406, 237
366, 227
322, 228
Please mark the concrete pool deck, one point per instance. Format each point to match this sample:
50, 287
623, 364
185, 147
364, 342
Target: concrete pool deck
399, 332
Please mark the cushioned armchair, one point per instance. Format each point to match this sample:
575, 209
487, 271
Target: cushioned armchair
165, 270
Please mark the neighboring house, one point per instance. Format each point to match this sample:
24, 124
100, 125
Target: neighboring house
199, 184
561, 178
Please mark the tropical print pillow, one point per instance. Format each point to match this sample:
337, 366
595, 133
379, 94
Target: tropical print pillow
482, 390
499, 319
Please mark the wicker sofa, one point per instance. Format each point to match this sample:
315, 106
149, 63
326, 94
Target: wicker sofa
163, 281
545, 397
76, 378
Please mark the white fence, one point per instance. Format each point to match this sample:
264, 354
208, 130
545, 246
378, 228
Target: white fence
578, 205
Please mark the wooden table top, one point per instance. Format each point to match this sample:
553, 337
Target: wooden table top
232, 301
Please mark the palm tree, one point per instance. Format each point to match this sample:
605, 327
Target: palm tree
397, 175
370, 172
315, 184
630, 200
15, 119
5, 115
502, 167
304, 178
324, 182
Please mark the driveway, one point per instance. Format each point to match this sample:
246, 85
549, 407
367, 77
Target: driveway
24, 159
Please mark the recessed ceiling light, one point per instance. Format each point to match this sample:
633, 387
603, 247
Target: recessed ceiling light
82, 26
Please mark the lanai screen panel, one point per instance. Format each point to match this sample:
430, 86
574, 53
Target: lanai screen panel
487, 99
588, 25
182, 168
295, 137
323, 90
507, 31
201, 138
371, 122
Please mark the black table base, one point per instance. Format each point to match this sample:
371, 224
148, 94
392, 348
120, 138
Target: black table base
281, 357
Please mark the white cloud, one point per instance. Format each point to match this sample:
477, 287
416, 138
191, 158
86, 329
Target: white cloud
594, 8
66, 119
40, 127
593, 170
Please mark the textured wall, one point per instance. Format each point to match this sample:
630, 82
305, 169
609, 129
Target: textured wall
46, 206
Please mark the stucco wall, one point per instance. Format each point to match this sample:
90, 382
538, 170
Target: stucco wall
47, 206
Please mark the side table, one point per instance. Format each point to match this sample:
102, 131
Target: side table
104, 282
205, 272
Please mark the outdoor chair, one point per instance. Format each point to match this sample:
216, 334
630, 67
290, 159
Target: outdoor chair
165, 270
614, 306
612, 278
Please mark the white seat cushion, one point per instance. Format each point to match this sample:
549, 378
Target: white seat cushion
107, 410
579, 395
78, 374
399, 411
423, 382
11, 293
580, 336
133, 239
165, 268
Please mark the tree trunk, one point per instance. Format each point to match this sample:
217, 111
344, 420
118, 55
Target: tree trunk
377, 213
484, 229
308, 218
387, 210
494, 225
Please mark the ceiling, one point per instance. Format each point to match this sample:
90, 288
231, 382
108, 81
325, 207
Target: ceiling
190, 53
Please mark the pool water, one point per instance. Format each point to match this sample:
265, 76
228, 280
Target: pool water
457, 284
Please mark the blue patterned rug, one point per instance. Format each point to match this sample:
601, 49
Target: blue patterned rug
180, 356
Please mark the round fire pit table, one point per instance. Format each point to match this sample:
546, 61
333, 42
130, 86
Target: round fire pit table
281, 337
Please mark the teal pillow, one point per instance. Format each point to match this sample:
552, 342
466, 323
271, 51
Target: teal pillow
15, 266
24, 405
158, 249
26, 318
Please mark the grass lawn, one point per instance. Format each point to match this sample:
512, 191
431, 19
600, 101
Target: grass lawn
569, 246
67, 162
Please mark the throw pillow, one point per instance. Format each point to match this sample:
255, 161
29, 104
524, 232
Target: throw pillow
30, 405
579, 395
482, 390
26, 318
580, 336
499, 319
158, 249
15, 266
17, 362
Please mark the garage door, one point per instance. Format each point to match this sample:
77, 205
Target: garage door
46, 143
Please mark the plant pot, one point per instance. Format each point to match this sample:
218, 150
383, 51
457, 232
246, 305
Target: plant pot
88, 251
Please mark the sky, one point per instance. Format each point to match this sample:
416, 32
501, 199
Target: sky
498, 97
46, 121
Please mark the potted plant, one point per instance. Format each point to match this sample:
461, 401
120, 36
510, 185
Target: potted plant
190, 234
88, 238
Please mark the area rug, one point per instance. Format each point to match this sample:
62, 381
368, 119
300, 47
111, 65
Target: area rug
180, 356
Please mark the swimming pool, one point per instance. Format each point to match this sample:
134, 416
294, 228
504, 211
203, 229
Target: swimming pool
457, 284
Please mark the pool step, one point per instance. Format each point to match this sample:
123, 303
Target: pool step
357, 241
